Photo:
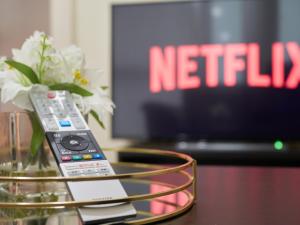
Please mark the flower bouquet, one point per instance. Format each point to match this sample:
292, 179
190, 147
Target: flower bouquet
39, 65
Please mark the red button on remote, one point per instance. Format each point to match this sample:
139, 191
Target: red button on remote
51, 94
66, 158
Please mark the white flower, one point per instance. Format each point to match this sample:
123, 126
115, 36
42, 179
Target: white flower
30, 52
74, 58
98, 102
3, 65
63, 64
13, 88
57, 71
22, 99
93, 76
9, 86
52, 66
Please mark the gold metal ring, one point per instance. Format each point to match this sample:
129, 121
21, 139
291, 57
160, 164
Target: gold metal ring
132, 177
188, 163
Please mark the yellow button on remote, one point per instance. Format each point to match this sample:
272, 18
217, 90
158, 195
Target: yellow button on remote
87, 156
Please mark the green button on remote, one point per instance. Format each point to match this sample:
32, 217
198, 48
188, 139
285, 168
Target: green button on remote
77, 157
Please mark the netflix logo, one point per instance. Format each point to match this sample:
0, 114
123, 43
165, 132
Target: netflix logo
176, 67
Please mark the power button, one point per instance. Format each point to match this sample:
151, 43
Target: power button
51, 94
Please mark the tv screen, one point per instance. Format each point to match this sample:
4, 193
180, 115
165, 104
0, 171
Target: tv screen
215, 70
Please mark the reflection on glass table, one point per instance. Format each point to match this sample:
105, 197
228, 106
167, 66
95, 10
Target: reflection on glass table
145, 208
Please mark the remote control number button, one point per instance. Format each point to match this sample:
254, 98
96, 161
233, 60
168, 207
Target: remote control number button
78, 123
74, 173
90, 171
51, 123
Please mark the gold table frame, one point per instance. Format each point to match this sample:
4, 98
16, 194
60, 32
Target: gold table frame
156, 170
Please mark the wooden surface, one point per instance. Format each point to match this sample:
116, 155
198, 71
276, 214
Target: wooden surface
230, 195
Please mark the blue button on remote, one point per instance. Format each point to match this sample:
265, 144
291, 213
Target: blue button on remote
64, 123
97, 156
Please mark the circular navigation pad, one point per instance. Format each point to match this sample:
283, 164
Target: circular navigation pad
74, 143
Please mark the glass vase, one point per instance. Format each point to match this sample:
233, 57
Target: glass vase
16, 159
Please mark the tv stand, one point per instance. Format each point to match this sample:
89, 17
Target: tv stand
207, 152
220, 147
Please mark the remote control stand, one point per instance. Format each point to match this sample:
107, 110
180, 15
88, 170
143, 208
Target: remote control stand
78, 154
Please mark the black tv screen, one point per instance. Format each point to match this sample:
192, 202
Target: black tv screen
216, 70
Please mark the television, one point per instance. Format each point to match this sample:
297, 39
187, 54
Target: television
206, 70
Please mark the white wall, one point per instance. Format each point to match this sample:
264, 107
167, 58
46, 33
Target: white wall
62, 22
87, 23
18, 20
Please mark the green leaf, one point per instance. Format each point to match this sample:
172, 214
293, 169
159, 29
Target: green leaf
73, 88
104, 88
38, 135
95, 115
24, 69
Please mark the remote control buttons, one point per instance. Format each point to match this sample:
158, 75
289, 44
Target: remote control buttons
97, 156
92, 150
69, 106
77, 157
87, 156
43, 107
64, 123
51, 124
78, 123
66, 158
74, 143
51, 94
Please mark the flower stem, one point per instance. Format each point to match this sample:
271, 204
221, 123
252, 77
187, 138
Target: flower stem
40, 66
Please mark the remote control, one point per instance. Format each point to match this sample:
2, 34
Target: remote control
77, 154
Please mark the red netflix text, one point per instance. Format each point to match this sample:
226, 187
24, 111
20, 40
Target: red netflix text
175, 67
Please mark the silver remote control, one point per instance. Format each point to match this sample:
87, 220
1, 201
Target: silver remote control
78, 154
